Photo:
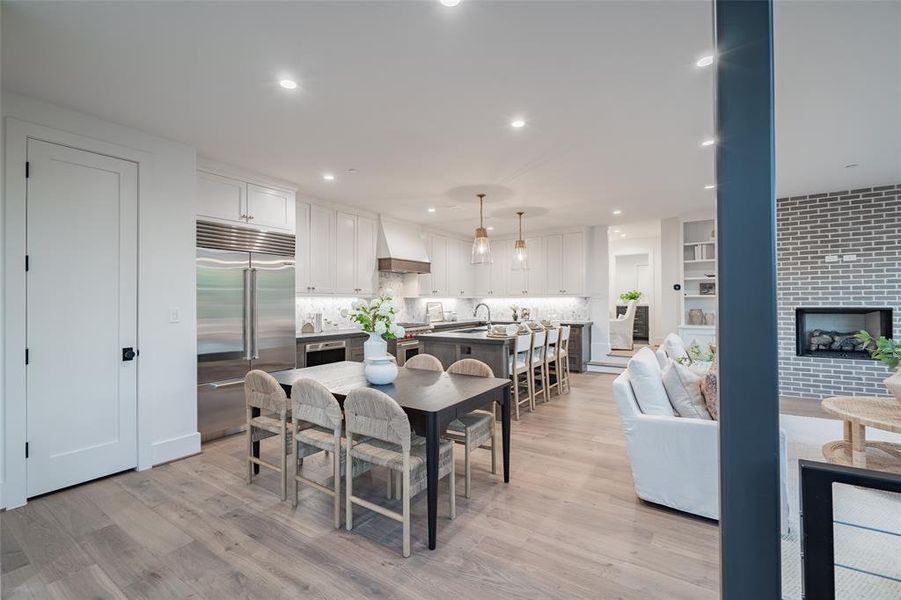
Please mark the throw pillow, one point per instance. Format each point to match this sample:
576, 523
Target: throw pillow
710, 390
647, 383
684, 390
675, 347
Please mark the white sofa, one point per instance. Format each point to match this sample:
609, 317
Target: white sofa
675, 460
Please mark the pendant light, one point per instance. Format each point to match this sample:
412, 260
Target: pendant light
520, 254
481, 248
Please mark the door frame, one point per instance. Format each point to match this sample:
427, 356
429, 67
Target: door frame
17, 134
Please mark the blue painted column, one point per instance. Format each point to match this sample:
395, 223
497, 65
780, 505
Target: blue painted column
748, 359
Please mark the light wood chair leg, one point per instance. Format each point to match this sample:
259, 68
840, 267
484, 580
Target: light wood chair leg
406, 501
349, 489
530, 384
336, 466
516, 391
453, 491
493, 449
295, 485
389, 493
283, 463
466, 467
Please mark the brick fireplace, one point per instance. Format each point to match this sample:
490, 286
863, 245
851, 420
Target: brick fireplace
839, 269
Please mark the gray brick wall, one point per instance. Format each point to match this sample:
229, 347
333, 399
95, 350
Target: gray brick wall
865, 222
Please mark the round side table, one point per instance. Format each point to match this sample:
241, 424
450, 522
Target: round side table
858, 413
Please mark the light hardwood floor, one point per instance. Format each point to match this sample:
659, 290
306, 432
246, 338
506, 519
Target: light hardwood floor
568, 525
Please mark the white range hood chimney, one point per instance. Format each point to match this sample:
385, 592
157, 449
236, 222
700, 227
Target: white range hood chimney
401, 249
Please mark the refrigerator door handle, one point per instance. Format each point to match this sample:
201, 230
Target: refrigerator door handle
254, 318
248, 314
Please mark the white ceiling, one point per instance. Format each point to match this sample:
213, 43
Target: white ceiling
417, 97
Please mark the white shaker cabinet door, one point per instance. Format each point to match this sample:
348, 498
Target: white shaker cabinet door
269, 207
221, 198
302, 248
345, 252
574, 264
553, 261
365, 263
322, 250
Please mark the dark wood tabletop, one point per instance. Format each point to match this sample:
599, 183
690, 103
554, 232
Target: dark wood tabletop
431, 399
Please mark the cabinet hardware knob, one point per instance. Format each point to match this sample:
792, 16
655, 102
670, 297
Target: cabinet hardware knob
249, 217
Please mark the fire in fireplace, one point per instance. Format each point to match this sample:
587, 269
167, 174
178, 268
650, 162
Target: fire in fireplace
829, 332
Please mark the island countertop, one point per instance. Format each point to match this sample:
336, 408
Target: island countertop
464, 337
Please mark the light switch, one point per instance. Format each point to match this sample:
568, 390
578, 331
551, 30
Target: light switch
849, 257
831, 258
173, 315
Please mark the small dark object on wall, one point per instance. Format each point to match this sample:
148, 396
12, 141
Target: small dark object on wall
707, 288
677, 287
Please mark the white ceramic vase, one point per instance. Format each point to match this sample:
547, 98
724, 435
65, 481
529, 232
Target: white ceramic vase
375, 347
893, 383
380, 370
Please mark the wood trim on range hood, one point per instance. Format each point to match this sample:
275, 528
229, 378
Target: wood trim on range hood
399, 265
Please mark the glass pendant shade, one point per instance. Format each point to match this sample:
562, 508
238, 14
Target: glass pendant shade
481, 247
520, 260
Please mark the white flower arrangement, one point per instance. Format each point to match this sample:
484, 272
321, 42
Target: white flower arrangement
377, 316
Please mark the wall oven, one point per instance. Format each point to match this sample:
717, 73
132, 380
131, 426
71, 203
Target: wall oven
405, 349
324, 353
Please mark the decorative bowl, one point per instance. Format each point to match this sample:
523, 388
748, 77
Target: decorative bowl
380, 370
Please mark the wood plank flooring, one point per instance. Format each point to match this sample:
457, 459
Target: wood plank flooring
568, 525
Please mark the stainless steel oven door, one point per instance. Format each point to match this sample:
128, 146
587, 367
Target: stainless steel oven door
406, 349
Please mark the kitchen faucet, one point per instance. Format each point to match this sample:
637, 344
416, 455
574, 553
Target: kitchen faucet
476, 310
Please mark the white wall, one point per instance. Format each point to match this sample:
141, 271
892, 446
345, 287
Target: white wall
670, 301
649, 246
598, 281
168, 353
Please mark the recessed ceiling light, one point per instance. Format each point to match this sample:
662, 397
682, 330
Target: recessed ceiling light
328, 176
431, 210
709, 142
851, 165
709, 187
616, 231
449, 3
288, 84
490, 228
517, 123
617, 212
705, 61
622, 235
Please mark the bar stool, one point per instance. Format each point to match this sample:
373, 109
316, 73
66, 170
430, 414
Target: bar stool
520, 368
563, 357
262, 392
550, 361
537, 365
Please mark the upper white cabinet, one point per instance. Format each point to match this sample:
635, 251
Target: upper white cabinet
221, 198
270, 207
459, 269
499, 273
335, 252
229, 199
573, 267
435, 283
553, 263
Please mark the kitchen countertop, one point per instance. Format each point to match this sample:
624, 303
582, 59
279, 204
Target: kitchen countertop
463, 337
330, 334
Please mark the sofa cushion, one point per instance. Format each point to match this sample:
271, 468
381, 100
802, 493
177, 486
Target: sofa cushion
675, 347
647, 383
710, 391
683, 386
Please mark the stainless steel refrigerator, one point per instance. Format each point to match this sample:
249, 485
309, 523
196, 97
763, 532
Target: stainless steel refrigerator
245, 318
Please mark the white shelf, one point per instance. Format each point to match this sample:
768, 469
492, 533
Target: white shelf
700, 278
699, 261
698, 243
699, 295
699, 327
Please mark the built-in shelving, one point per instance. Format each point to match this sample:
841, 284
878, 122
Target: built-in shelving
699, 254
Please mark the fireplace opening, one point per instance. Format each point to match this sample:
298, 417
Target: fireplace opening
829, 332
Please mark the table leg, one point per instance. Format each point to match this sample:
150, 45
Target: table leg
859, 445
432, 442
255, 412
505, 431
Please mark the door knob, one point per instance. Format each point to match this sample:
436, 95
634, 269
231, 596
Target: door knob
128, 354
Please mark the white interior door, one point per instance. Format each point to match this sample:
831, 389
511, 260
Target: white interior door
81, 314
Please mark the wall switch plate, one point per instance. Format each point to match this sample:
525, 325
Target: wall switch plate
831, 258
173, 315
849, 257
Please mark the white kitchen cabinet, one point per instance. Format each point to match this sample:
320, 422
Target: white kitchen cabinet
459, 269
322, 250
573, 267
221, 198
437, 280
553, 264
500, 270
345, 253
302, 248
270, 207
230, 200
365, 263
537, 274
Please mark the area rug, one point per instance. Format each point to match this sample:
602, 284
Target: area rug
867, 522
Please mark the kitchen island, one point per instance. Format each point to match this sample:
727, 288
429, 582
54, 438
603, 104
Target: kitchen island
451, 346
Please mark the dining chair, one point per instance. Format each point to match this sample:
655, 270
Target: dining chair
551, 354
425, 362
476, 428
563, 358
369, 412
262, 392
536, 366
520, 369
316, 420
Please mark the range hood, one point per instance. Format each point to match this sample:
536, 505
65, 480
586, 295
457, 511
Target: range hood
401, 249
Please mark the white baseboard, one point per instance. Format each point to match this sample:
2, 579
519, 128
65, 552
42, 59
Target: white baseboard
175, 448
599, 350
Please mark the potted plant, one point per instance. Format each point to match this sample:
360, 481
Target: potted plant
378, 318
630, 295
889, 352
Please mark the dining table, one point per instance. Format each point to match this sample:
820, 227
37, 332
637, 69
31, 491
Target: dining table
431, 400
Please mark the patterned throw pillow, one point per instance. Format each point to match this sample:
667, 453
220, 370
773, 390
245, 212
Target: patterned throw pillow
710, 391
